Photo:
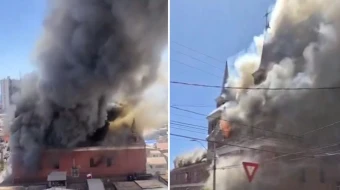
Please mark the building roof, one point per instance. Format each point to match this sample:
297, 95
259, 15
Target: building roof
156, 160
162, 146
199, 164
95, 184
126, 185
99, 148
151, 184
155, 152
216, 113
56, 176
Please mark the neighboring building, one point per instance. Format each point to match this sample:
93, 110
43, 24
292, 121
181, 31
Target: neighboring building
154, 153
8, 88
100, 162
157, 159
162, 146
191, 177
157, 165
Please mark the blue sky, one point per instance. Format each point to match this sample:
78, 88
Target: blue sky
220, 29
21, 25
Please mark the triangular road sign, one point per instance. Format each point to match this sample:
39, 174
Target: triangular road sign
250, 169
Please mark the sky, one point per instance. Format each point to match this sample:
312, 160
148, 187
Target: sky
21, 24
220, 29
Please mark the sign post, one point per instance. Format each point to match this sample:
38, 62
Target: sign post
250, 169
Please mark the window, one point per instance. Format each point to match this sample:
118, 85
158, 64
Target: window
322, 176
92, 163
56, 165
75, 172
108, 162
195, 176
187, 178
303, 176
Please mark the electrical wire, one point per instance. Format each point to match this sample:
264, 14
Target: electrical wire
263, 150
194, 106
189, 124
191, 127
257, 128
187, 130
197, 51
252, 88
204, 71
187, 117
212, 65
320, 128
228, 144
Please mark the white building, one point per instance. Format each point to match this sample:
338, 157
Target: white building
8, 88
157, 166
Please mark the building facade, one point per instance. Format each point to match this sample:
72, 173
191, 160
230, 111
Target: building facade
8, 88
100, 162
157, 159
190, 177
279, 168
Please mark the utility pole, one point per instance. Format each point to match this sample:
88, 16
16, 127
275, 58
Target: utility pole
214, 166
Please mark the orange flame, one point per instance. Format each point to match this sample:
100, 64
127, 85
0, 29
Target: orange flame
225, 128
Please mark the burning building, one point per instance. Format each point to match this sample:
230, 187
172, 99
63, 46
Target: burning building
287, 125
91, 53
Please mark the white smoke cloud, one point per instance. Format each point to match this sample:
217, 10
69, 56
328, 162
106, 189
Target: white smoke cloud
301, 49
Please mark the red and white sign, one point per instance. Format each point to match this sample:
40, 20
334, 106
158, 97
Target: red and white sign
250, 169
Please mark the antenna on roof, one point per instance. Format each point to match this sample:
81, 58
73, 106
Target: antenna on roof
267, 19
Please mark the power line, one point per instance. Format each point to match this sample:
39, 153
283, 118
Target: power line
269, 160
189, 111
187, 117
234, 145
194, 106
191, 127
196, 59
187, 130
212, 74
290, 154
252, 88
197, 51
258, 128
189, 124
318, 129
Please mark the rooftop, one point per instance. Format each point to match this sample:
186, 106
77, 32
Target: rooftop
162, 146
156, 160
56, 176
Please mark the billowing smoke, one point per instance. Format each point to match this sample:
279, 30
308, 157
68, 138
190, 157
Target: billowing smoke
92, 52
197, 156
300, 49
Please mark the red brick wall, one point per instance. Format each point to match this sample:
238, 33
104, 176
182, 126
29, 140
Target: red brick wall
124, 161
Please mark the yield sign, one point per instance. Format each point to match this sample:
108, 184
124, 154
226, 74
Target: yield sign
250, 169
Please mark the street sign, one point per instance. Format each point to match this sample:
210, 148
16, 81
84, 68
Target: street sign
250, 169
